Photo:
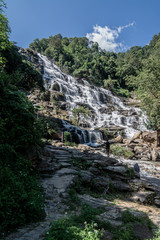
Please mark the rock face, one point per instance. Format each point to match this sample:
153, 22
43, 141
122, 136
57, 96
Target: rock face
143, 145
63, 168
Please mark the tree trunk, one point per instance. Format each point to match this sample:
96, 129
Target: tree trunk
158, 138
62, 137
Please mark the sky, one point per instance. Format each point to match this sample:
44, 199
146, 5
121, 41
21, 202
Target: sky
116, 25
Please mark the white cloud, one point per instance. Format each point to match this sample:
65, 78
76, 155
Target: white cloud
107, 37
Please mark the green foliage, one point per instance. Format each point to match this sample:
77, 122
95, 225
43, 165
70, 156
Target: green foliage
21, 198
128, 233
48, 127
80, 227
4, 33
122, 92
81, 163
118, 150
78, 113
22, 72
157, 236
67, 137
65, 229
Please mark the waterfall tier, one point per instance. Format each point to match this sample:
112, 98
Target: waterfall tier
106, 109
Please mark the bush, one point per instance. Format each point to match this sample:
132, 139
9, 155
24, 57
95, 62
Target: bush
80, 227
20, 195
122, 92
67, 137
117, 150
65, 229
157, 236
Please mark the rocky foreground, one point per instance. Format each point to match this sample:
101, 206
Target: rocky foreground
100, 182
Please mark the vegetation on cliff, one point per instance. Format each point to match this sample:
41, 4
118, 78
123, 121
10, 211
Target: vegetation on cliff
20, 195
137, 69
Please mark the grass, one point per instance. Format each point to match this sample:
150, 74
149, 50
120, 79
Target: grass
82, 227
80, 163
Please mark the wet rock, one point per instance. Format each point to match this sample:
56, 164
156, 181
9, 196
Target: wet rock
58, 96
56, 87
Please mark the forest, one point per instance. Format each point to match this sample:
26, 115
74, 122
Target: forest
134, 70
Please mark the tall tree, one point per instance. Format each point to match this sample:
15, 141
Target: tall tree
4, 33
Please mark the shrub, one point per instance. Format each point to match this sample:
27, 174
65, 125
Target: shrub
67, 137
157, 236
20, 195
118, 150
80, 227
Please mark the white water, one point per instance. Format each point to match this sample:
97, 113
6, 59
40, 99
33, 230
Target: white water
107, 110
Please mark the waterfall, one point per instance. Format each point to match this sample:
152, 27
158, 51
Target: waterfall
106, 109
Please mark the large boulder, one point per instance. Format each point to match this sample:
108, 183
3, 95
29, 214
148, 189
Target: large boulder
149, 137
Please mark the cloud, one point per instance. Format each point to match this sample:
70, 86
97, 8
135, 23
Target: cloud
107, 37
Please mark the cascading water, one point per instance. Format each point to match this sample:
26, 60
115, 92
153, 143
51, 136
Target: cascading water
106, 109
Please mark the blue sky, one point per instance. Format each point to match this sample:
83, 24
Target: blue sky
115, 24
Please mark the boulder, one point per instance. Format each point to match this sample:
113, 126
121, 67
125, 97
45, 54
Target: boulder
137, 135
83, 147
142, 232
143, 197
101, 183
112, 215
157, 201
149, 136
118, 139
139, 149
107, 235
155, 154
86, 177
121, 186
116, 169
56, 87
58, 96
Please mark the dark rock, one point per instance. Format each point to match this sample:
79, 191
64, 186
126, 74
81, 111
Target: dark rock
141, 231
116, 169
107, 235
56, 87
121, 186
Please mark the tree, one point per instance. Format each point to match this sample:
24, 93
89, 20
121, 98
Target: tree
4, 33
148, 90
79, 113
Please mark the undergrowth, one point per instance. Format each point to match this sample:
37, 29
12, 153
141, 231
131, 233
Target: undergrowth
118, 150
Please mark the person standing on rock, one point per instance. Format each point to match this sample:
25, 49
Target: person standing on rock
136, 168
107, 147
